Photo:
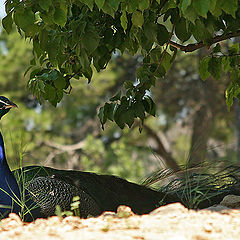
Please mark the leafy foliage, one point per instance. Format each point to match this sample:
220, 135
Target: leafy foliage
125, 153
71, 37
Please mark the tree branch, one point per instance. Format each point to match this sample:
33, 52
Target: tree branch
65, 148
195, 46
161, 149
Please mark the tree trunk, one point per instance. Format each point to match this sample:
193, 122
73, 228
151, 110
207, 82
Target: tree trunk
202, 124
237, 118
237, 127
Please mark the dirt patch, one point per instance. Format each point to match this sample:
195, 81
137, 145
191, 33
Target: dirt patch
173, 221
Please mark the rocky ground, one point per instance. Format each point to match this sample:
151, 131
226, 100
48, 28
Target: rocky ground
173, 221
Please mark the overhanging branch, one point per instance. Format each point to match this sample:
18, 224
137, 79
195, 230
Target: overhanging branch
195, 46
170, 161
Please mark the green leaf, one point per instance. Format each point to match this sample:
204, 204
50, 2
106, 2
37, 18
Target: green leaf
89, 3
60, 82
149, 105
190, 14
128, 85
88, 73
7, 22
166, 62
43, 39
215, 67
48, 17
60, 16
215, 8
52, 76
90, 40
137, 19
158, 70
182, 31
155, 55
212, 6
102, 117
50, 92
25, 20
203, 68
35, 72
150, 31
36, 47
119, 116
124, 21
100, 3
132, 6
129, 117
230, 6
162, 34
185, 4
201, 7
143, 4
28, 69
114, 4
116, 97
200, 32
109, 110
41, 85
84, 60
139, 110
108, 9
52, 50
45, 4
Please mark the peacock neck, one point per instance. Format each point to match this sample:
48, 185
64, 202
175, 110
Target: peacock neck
3, 161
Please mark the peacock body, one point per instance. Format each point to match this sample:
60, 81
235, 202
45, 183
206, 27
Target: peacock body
44, 188
98, 193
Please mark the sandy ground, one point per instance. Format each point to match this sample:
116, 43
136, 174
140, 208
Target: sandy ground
173, 222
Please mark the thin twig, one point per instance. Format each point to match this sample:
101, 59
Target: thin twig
195, 46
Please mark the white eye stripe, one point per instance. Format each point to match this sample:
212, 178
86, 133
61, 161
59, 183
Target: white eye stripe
4, 102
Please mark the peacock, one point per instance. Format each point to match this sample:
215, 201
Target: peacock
41, 189
44, 188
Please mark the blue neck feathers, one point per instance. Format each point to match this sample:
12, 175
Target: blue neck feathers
9, 189
3, 161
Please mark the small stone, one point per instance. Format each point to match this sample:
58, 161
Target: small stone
16, 218
124, 211
216, 208
172, 208
231, 201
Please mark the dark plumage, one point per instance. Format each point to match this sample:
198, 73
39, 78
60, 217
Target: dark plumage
107, 192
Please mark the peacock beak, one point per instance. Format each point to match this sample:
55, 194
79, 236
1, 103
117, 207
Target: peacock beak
11, 105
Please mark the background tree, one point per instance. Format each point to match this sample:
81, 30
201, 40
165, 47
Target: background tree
70, 136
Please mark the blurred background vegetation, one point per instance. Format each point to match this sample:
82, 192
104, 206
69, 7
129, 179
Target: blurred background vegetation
192, 120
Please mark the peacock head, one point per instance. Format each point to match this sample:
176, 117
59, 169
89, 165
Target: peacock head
5, 106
